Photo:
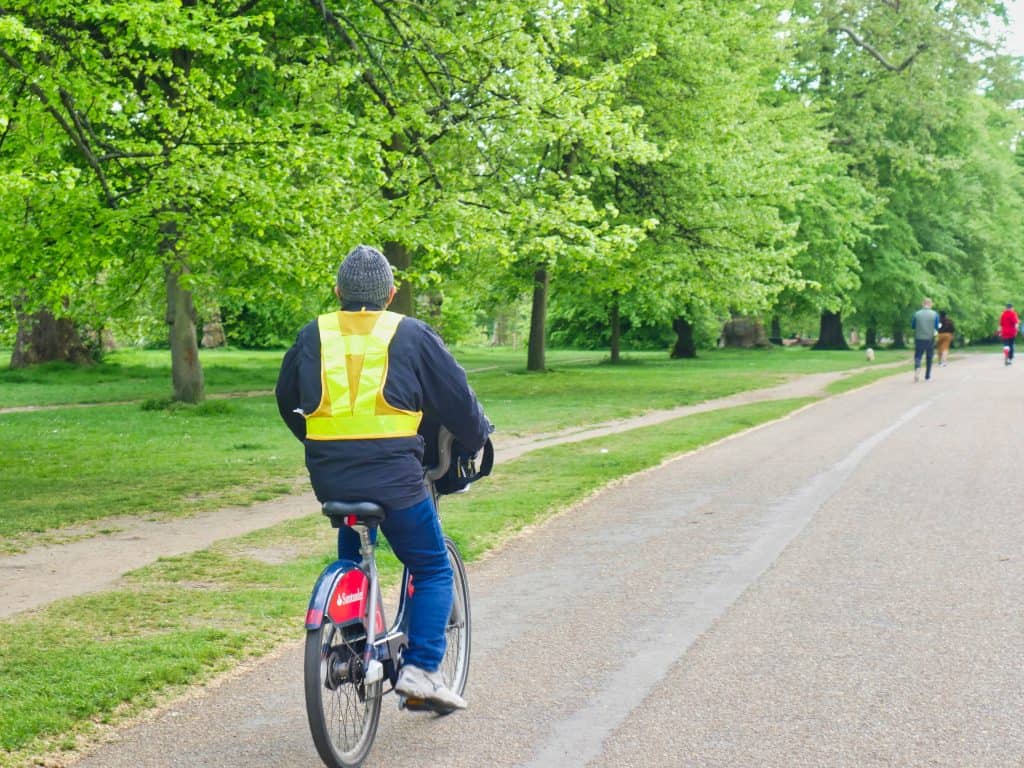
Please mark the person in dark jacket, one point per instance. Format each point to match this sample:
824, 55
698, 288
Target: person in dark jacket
947, 331
383, 372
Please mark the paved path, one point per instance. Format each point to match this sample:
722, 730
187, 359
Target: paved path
33, 578
840, 588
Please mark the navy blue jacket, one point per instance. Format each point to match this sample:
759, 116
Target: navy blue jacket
422, 376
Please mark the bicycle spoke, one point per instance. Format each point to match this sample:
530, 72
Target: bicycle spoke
345, 716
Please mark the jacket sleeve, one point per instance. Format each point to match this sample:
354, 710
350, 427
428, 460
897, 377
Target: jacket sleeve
447, 394
287, 393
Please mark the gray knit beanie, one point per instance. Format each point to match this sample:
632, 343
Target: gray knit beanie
365, 276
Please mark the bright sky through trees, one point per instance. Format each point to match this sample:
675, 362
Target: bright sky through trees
1015, 30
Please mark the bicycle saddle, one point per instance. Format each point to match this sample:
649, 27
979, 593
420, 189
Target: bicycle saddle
365, 512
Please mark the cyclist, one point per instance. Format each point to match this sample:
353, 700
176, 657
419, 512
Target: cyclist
353, 389
1008, 325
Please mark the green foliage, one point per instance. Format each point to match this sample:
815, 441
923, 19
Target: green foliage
586, 326
263, 324
687, 159
923, 114
733, 156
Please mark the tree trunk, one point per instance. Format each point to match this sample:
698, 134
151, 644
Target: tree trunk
871, 337
776, 337
684, 346
899, 341
744, 333
186, 370
830, 335
432, 308
616, 325
538, 321
213, 332
400, 260
502, 335
44, 338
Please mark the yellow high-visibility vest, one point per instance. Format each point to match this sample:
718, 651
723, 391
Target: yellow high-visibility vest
353, 369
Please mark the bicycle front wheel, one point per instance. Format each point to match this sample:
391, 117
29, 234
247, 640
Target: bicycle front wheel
343, 710
455, 664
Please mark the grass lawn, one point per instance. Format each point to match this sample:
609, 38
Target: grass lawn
66, 466
135, 375
183, 619
577, 394
72, 465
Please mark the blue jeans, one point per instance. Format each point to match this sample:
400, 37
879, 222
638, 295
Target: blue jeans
926, 348
415, 537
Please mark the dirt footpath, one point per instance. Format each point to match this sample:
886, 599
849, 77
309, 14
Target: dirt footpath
95, 562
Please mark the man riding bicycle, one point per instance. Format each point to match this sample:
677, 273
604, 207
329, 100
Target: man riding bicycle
354, 388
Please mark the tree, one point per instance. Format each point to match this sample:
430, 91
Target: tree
900, 82
199, 149
731, 160
136, 90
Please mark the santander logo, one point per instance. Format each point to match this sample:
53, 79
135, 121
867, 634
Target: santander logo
348, 599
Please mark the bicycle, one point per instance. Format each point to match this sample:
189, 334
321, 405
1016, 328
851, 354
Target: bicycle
349, 658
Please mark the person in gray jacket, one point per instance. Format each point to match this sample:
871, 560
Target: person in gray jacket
925, 324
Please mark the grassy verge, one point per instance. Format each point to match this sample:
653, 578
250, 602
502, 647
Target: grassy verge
74, 465
137, 374
862, 379
184, 619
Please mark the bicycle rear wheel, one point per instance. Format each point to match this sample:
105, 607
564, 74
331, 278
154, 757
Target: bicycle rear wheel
343, 711
455, 664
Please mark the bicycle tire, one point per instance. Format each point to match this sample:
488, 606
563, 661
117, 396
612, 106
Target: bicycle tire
343, 715
458, 634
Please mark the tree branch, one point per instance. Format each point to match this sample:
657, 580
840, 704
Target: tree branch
10, 120
74, 135
863, 44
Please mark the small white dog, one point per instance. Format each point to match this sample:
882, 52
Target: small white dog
869, 353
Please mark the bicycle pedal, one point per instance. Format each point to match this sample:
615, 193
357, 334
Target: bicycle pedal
415, 705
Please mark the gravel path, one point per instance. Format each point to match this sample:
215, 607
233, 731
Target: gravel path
842, 587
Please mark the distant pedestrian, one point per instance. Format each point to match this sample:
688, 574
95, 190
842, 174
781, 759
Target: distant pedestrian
1009, 323
925, 323
945, 338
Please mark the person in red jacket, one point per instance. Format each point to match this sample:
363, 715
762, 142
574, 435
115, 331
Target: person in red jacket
1009, 323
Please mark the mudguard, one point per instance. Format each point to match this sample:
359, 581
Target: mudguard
341, 594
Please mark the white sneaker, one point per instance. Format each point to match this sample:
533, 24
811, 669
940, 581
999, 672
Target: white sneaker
917, 374
416, 683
